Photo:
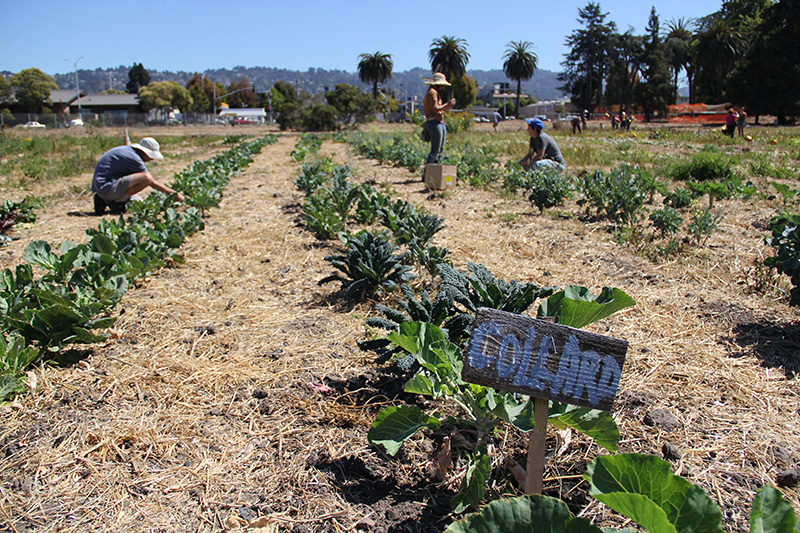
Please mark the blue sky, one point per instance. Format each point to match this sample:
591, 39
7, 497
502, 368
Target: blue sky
297, 35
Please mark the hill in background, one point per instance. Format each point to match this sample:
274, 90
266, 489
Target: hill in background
543, 85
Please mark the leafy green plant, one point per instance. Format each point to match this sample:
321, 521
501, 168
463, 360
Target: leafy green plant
481, 409
639, 487
370, 264
371, 202
666, 221
320, 216
308, 143
12, 213
679, 198
547, 188
702, 225
703, 166
714, 190
788, 194
786, 240
618, 195
313, 176
15, 358
342, 193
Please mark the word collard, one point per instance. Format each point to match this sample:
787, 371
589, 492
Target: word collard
525, 355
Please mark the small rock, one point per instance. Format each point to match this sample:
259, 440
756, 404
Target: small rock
662, 419
781, 455
788, 478
671, 452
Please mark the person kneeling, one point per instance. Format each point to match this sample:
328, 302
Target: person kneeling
543, 151
120, 174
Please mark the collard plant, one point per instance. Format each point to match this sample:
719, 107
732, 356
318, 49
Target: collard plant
370, 265
640, 488
15, 357
482, 409
547, 188
786, 241
618, 195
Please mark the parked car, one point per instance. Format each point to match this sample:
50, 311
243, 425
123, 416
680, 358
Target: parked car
75, 123
33, 125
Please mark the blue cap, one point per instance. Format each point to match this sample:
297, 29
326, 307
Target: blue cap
535, 123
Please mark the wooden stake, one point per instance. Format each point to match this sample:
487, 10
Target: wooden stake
536, 448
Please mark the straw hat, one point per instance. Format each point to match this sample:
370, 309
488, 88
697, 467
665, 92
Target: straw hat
438, 79
149, 146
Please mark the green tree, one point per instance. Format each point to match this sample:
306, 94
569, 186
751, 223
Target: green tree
281, 94
655, 92
465, 89
351, 104
678, 49
520, 63
449, 56
717, 48
202, 91
766, 80
586, 64
138, 77
32, 89
165, 96
5, 89
626, 53
375, 68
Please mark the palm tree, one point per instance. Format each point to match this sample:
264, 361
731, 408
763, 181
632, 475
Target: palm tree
375, 68
449, 56
717, 47
519, 64
678, 47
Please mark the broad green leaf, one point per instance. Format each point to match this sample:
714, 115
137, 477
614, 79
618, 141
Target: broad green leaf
473, 487
420, 383
577, 307
39, 253
599, 425
396, 424
771, 513
642, 488
8, 386
524, 514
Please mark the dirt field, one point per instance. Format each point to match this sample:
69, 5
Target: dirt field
203, 412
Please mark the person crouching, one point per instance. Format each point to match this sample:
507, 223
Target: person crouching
543, 151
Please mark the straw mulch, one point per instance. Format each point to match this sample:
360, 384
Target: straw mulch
231, 392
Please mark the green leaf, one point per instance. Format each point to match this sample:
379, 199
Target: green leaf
421, 383
473, 487
524, 514
577, 307
642, 488
396, 424
771, 513
599, 425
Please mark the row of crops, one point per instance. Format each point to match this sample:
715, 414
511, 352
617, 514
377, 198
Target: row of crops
387, 243
43, 317
625, 195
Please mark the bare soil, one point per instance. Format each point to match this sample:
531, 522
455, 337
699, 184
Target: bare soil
231, 391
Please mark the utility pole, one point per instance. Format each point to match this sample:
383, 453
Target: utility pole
77, 85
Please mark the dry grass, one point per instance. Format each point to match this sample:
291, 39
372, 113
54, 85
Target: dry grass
202, 411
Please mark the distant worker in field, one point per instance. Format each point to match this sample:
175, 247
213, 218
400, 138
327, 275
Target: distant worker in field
730, 122
576, 125
433, 109
496, 119
120, 175
543, 152
741, 121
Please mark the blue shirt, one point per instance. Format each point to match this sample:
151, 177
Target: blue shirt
116, 163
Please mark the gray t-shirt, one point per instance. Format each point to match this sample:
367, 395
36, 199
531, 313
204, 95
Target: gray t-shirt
115, 164
546, 143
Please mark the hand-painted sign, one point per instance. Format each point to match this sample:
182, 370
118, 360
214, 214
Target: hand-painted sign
521, 354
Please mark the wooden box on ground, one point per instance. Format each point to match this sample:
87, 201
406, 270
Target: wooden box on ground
440, 177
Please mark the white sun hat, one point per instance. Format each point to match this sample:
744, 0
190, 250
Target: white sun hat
149, 146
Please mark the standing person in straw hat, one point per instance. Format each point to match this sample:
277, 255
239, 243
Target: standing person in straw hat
434, 109
120, 175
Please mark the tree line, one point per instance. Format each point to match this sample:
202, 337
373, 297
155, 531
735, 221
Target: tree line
739, 54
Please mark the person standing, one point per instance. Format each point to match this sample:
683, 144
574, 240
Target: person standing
496, 118
433, 109
730, 122
121, 174
543, 152
741, 121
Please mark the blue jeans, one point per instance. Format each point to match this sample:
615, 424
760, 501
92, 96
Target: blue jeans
438, 133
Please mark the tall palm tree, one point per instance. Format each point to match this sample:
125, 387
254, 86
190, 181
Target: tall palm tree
677, 42
717, 47
375, 68
519, 64
449, 56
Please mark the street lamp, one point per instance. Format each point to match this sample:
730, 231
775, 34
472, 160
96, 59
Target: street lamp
77, 85
214, 89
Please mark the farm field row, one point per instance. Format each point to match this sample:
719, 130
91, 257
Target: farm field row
232, 384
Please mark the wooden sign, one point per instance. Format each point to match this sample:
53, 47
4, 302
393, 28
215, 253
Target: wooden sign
521, 354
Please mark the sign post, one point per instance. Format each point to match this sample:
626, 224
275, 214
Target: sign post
546, 361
